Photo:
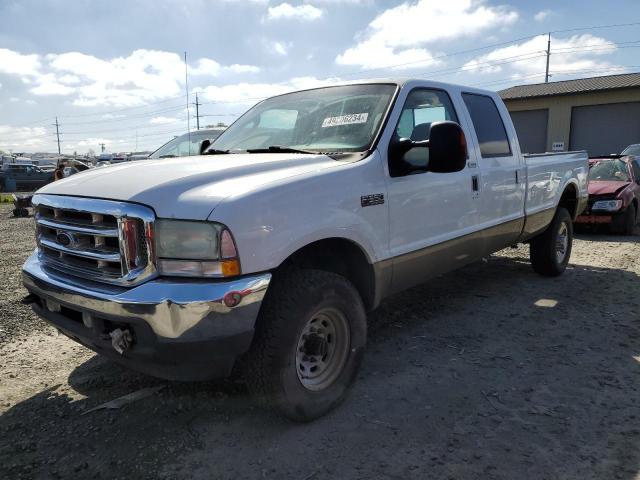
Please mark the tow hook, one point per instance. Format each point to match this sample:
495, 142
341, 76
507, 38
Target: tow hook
121, 340
29, 299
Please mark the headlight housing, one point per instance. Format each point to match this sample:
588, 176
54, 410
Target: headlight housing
607, 205
195, 249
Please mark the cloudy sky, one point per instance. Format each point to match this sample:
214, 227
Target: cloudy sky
112, 71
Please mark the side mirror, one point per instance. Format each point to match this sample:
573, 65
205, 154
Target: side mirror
444, 152
447, 148
204, 145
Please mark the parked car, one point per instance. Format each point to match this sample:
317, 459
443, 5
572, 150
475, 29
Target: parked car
298, 220
74, 166
138, 156
614, 193
23, 176
187, 144
632, 150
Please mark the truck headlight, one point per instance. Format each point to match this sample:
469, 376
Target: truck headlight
195, 249
607, 205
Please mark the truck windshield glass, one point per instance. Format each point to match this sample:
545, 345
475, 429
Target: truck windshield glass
184, 145
632, 150
332, 119
612, 170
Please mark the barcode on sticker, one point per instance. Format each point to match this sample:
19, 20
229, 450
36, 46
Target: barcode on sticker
350, 119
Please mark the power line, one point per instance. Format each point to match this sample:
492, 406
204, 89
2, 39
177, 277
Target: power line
596, 27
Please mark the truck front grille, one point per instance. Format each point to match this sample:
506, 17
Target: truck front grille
101, 240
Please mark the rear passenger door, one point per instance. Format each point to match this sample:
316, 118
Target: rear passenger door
501, 175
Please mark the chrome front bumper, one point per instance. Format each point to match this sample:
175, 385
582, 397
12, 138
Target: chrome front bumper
166, 312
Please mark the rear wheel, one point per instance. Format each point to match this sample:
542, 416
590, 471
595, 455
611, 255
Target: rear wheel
550, 251
308, 344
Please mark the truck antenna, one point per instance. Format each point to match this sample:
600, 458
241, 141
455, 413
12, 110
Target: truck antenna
186, 86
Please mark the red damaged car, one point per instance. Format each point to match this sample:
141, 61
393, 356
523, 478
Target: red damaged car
614, 193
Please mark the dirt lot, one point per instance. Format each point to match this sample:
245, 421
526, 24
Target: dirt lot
489, 372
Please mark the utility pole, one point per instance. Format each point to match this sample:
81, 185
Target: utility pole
546, 75
197, 112
102, 147
58, 134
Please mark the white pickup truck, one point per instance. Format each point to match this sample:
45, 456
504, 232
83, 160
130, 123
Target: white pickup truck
266, 252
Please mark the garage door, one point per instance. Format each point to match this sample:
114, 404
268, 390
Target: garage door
604, 129
531, 126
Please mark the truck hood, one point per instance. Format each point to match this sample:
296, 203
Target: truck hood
606, 187
187, 187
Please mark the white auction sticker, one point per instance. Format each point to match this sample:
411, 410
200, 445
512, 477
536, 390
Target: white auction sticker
350, 119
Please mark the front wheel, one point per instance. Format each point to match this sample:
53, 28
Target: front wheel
625, 223
550, 251
308, 344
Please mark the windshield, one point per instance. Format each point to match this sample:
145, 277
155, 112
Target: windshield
185, 145
612, 170
332, 119
632, 150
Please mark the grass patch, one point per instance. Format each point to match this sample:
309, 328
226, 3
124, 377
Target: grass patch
4, 198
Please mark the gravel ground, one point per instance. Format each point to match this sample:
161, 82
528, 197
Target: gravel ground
491, 372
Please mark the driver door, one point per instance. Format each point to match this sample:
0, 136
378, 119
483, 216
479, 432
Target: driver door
433, 216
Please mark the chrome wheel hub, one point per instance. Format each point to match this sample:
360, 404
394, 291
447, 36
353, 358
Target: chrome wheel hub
322, 349
562, 242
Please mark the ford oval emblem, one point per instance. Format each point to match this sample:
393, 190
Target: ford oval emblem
65, 239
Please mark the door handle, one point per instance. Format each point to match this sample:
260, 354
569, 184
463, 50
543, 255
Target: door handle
475, 184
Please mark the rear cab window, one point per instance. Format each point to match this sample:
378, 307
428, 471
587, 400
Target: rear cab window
488, 125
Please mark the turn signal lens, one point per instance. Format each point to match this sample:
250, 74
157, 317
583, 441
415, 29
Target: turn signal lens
230, 268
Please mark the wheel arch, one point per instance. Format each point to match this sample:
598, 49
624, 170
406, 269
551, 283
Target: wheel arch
341, 256
569, 199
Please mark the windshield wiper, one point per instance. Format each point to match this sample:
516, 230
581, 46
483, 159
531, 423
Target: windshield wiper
167, 156
215, 151
279, 149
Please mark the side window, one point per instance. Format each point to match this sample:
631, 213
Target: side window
635, 165
488, 125
422, 108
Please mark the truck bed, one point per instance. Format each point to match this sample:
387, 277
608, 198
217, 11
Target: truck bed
547, 176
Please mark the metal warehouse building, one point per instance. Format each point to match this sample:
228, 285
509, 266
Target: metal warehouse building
599, 114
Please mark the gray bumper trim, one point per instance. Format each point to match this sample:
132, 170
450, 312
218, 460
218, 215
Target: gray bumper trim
174, 309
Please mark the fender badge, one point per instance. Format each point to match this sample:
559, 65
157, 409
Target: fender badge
370, 200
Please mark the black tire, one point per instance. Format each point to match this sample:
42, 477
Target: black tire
544, 251
295, 300
625, 223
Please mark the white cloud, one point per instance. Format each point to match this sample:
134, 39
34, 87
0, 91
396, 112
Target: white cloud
250, 93
238, 68
287, 11
48, 84
141, 77
396, 35
370, 54
337, 2
579, 52
14, 63
163, 120
281, 48
22, 138
542, 15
